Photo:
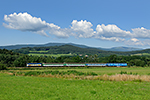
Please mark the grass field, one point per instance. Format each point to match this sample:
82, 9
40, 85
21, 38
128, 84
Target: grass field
51, 88
98, 70
140, 54
38, 51
54, 55
115, 70
42, 88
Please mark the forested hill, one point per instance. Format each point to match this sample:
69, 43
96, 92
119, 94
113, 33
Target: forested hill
63, 49
5, 51
69, 49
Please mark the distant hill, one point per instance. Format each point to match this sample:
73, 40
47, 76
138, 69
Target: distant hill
19, 46
123, 49
70, 49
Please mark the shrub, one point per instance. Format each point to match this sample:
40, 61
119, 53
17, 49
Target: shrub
148, 74
2, 67
92, 73
129, 73
122, 72
20, 73
30, 73
55, 72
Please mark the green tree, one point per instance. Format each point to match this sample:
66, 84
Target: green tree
2, 67
112, 59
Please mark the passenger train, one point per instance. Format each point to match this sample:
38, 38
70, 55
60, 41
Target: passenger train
76, 64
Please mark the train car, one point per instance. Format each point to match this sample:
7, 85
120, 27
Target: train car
116, 64
123, 64
75, 64
34, 65
96, 64
53, 64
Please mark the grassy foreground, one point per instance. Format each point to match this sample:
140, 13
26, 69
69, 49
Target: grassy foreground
43, 88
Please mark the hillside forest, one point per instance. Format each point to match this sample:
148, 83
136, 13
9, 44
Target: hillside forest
9, 58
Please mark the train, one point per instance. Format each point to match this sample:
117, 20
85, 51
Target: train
76, 65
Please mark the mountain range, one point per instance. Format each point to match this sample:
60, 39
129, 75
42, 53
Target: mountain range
122, 49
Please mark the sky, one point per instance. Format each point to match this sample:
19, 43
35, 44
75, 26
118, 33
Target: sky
95, 23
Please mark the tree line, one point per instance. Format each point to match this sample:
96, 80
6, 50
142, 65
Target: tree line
13, 59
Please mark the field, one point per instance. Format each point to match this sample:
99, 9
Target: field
43, 53
97, 70
54, 55
142, 54
38, 51
52, 88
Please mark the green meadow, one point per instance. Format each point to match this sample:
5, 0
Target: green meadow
142, 54
53, 88
38, 51
97, 70
44, 53
52, 55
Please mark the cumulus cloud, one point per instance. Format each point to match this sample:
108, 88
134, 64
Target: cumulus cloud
110, 31
138, 34
25, 22
82, 29
61, 33
134, 41
42, 32
79, 29
141, 33
116, 39
114, 33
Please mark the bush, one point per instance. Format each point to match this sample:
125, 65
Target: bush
2, 67
74, 72
122, 72
92, 73
35, 73
129, 73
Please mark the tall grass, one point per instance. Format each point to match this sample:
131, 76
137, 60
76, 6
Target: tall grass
73, 74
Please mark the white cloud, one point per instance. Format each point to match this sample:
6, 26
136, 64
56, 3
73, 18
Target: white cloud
116, 39
138, 34
141, 33
134, 41
111, 31
42, 32
25, 22
137, 42
114, 33
61, 33
82, 29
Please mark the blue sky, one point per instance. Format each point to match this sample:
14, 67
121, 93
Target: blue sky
96, 23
